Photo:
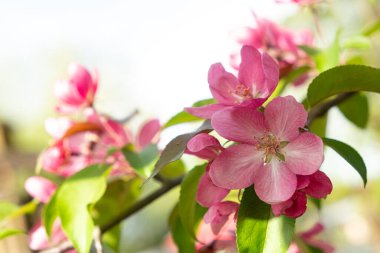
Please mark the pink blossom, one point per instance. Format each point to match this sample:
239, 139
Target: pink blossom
217, 215
40, 188
300, 2
148, 134
257, 78
309, 238
207, 147
39, 240
317, 185
270, 149
78, 91
279, 43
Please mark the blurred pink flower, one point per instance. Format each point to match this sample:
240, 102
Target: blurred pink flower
207, 147
217, 215
257, 78
300, 2
270, 152
316, 185
78, 91
309, 238
40, 188
279, 43
148, 133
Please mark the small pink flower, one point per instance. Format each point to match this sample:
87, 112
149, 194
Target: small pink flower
317, 185
40, 188
78, 91
217, 215
258, 77
279, 43
309, 238
300, 2
207, 147
39, 240
270, 152
149, 133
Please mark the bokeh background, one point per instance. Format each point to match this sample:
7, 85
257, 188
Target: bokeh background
154, 56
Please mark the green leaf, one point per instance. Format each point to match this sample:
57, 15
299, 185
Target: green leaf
342, 79
7, 209
181, 238
185, 117
329, 57
357, 42
373, 28
350, 155
187, 199
9, 232
258, 231
72, 201
139, 160
173, 170
311, 51
176, 147
319, 125
355, 109
10, 211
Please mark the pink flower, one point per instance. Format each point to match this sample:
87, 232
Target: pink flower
149, 133
309, 238
217, 215
279, 43
40, 188
270, 151
78, 91
257, 79
207, 147
317, 185
300, 2
39, 240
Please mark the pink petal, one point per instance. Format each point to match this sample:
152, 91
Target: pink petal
284, 116
206, 111
258, 72
38, 239
239, 124
298, 206
81, 79
53, 158
204, 146
235, 166
208, 193
320, 185
221, 84
40, 188
148, 133
274, 182
304, 155
57, 127
218, 215
313, 231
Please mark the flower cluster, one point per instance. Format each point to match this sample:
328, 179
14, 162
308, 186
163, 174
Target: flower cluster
268, 148
85, 138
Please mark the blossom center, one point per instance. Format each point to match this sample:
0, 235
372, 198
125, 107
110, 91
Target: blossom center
271, 146
242, 93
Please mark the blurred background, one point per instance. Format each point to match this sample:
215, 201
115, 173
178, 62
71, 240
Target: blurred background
154, 56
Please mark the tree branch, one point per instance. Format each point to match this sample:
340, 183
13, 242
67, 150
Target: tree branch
321, 109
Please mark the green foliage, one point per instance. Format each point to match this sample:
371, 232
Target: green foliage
72, 202
187, 205
355, 109
350, 155
176, 147
357, 42
181, 238
349, 78
185, 117
9, 232
319, 125
7, 209
141, 162
173, 170
258, 231
329, 57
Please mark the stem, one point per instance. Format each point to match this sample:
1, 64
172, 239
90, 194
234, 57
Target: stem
321, 109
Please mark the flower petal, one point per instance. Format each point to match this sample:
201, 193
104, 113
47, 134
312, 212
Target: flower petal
218, 214
40, 188
235, 166
239, 124
284, 116
258, 72
208, 193
320, 185
275, 183
148, 133
304, 155
204, 146
206, 111
221, 84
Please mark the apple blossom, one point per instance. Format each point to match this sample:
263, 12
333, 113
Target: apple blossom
257, 78
78, 91
270, 151
40, 188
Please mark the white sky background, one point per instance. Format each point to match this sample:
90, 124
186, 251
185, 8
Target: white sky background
151, 55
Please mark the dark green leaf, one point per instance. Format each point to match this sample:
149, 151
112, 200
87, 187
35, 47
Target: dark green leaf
187, 200
342, 79
355, 109
258, 231
319, 125
176, 147
9, 232
350, 155
185, 117
71, 204
139, 160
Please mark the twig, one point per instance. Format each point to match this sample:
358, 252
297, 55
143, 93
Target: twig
320, 110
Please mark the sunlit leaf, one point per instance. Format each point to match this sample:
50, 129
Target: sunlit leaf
9, 232
258, 231
173, 170
357, 42
350, 155
185, 243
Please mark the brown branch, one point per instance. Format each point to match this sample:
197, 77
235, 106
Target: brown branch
322, 109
